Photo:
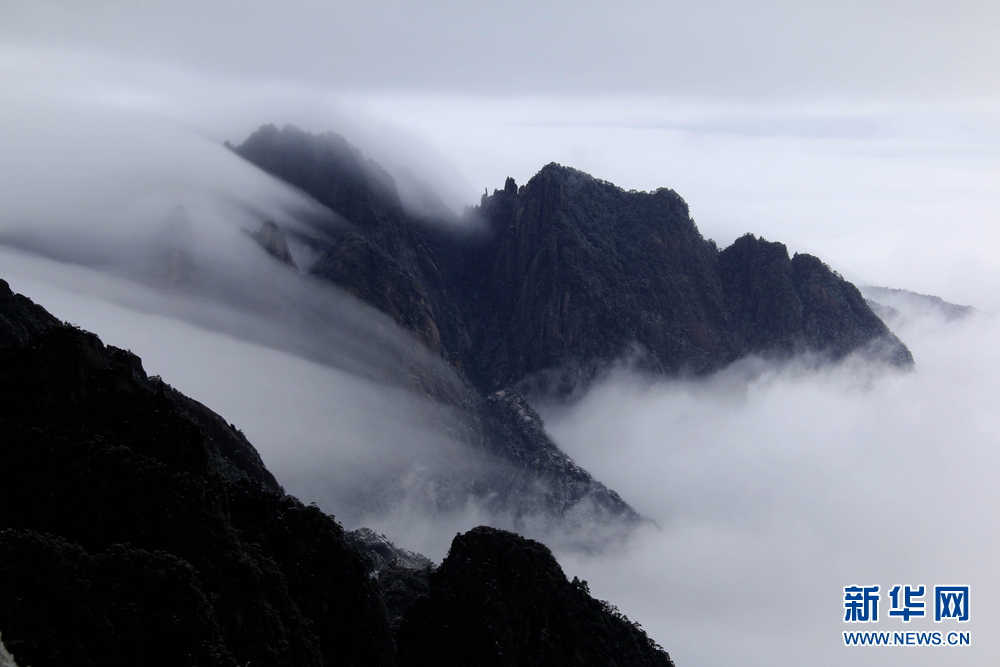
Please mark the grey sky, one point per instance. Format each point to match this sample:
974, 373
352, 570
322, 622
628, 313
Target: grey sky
718, 49
867, 133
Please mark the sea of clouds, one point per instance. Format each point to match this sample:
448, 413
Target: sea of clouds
775, 487
770, 488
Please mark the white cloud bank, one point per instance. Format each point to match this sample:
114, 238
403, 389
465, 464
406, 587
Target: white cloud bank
864, 133
774, 488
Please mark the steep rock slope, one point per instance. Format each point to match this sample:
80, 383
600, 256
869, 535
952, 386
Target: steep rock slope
787, 305
373, 250
169, 542
19, 317
410, 270
137, 527
549, 283
580, 272
475, 613
570, 274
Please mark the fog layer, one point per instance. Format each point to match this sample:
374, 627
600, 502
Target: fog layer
864, 133
135, 228
775, 487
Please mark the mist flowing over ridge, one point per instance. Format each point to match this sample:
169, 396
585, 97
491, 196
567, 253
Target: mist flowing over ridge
570, 274
545, 287
535, 292
166, 540
695, 363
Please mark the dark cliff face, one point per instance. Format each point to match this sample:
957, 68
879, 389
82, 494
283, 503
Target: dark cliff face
430, 281
582, 272
332, 171
571, 274
836, 318
138, 527
474, 613
157, 528
366, 271
19, 317
373, 250
540, 479
780, 306
547, 285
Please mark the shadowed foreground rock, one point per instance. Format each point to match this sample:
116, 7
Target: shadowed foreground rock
500, 600
137, 527
130, 534
19, 317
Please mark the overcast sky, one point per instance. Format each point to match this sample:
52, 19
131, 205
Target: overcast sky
721, 50
866, 133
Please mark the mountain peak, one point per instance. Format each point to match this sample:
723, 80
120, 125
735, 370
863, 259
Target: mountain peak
578, 273
324, 165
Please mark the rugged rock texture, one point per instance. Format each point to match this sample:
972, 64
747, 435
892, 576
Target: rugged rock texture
336, 174
230, 452
582, 272
328, 581
780, 305
477, 612
273, 241
579, 273
20, 317
570, 274
761, 295
385, 261
542, 478
546, 285
366, 271
402, 574
112, 502
423, 277
137, 527
384, 554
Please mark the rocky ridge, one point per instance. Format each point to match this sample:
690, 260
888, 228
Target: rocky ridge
166, 541
567, 275
547, 284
